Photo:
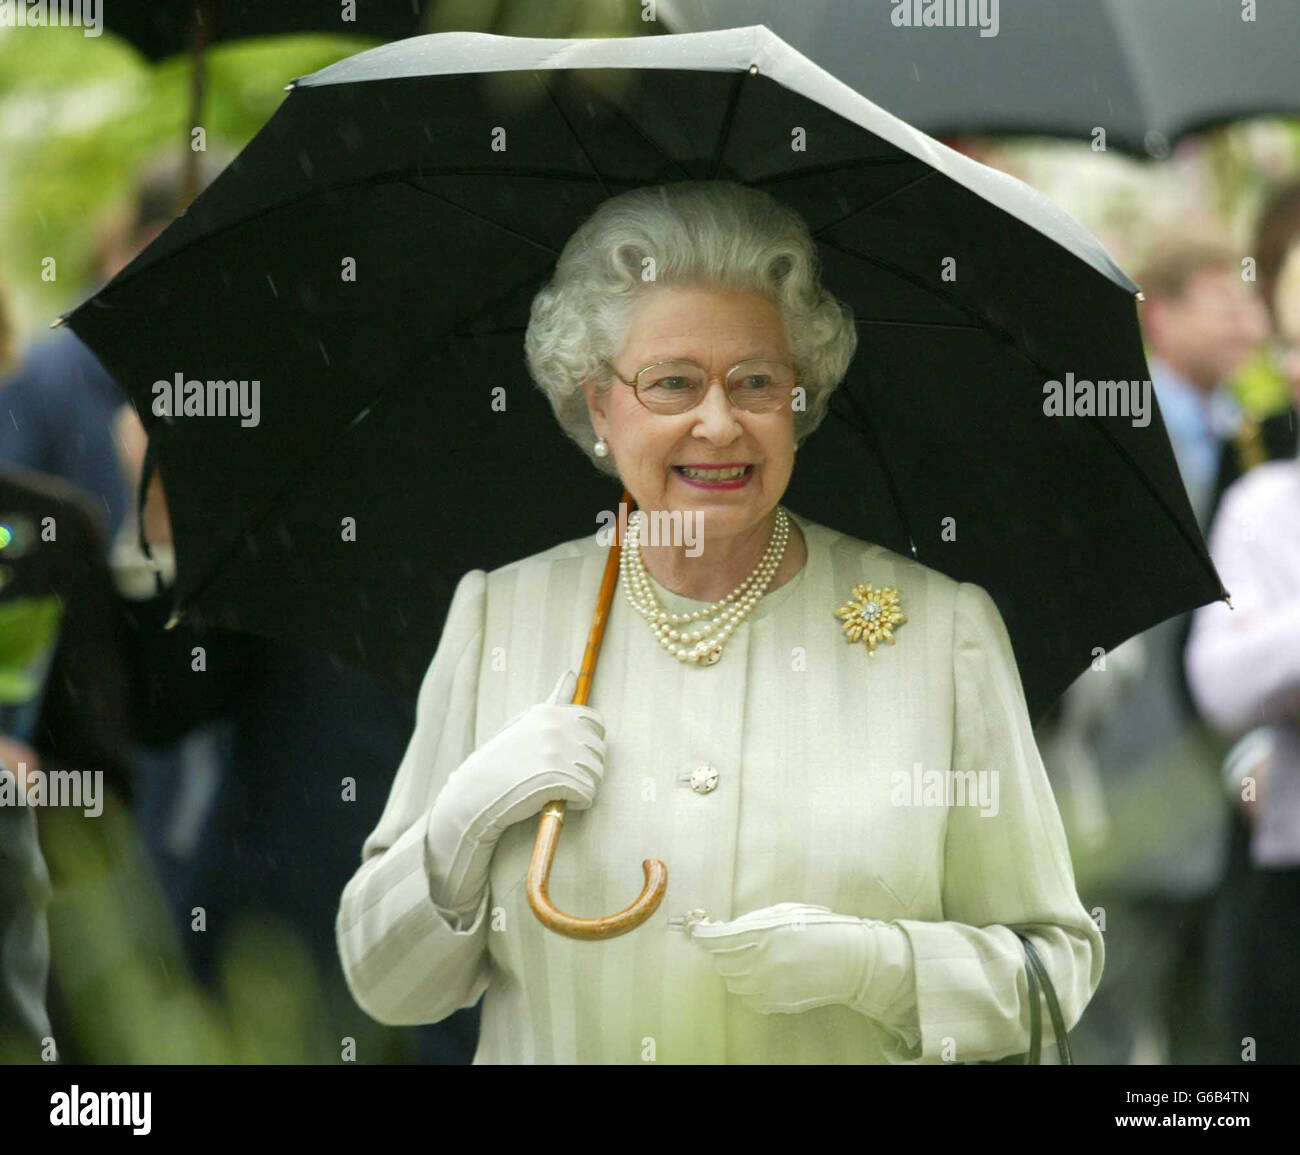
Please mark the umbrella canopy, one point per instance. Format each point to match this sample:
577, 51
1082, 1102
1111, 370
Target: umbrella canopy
1147, 71
365, 269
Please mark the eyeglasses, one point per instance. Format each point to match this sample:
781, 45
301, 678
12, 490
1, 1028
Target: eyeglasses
756, 386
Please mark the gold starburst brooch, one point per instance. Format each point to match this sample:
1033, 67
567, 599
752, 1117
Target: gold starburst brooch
872, 616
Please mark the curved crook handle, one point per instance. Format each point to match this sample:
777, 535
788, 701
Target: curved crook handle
611, 925
552, 819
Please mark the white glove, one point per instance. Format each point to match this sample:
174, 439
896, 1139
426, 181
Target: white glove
554, 750
793, 957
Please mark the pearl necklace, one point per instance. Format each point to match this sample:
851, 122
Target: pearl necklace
717, 621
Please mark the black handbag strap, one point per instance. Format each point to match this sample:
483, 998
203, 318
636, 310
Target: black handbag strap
1039, 980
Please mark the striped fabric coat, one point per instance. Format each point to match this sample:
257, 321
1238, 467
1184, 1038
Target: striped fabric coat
821, 790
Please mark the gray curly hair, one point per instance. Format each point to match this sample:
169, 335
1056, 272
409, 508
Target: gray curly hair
703, 232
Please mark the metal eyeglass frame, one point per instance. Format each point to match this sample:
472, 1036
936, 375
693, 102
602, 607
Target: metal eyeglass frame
709, 379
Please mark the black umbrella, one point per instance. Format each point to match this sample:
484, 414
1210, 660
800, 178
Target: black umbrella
370, 258
1146, 71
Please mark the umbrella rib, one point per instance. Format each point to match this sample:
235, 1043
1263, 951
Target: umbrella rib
869, 434
880, 200
1206, 563
1047, 373
646, 137
866, 429
728, 119
925, 287
577, 140
823, 170
403, 175
405, 374
480, 217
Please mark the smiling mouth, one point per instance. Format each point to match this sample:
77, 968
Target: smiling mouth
726, 473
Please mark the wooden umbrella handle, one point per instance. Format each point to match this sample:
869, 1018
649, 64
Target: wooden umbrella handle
552, 819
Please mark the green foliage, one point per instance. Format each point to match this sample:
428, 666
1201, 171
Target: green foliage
120, 972
81, 116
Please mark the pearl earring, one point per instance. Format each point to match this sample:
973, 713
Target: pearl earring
600, 449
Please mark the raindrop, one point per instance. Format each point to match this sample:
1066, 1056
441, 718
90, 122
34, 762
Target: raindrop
274, 291
321, 346
305, 162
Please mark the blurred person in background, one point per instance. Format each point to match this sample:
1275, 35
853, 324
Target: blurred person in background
64, 720
313, 746
1243, 665
227, 830
1202, 321
63, 716
1136, 767
1259, 439
1273, 435
24, 888
24, 933
57, 409
58, 404
57, 415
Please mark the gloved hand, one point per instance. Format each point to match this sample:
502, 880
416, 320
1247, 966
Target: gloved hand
552, 750
792, 957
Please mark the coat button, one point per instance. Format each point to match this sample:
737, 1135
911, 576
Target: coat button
704, 779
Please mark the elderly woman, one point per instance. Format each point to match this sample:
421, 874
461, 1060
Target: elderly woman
832, 898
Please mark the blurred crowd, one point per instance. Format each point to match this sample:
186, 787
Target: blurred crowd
193, 919
1171, 758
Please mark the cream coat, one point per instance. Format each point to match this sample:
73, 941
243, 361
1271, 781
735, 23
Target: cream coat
816, 747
